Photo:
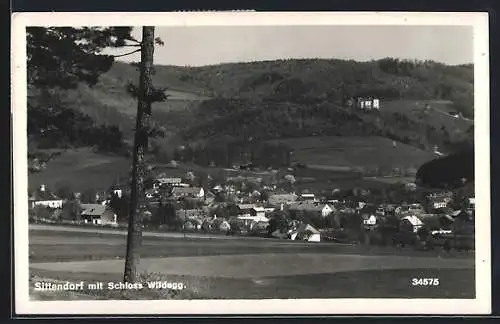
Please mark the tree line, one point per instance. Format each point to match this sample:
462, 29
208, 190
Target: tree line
238, 120
227, 152
291, 79
55, 126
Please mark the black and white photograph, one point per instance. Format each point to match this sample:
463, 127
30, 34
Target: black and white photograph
248, 163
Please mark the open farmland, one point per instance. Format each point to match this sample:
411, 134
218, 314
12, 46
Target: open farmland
344, 151
82, 169
246, 268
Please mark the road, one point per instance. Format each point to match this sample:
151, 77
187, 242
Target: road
97, 230
171, 235
446, 114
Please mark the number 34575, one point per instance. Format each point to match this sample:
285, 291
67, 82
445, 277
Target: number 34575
425, 282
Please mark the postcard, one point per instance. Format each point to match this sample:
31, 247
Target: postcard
251, 163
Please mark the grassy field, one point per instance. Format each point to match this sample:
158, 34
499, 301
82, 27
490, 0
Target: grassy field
391, 180
342, 151
82, 169
212, 268
438, 116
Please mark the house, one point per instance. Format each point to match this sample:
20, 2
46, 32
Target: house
320, 209
262, 211
369, 220
438, 199
434, 223
438, 203
248, 220
367, 103
45, 198
369, 215
163, 181
471, 203
191, 192
250, 213
306, 232
410, 224
416, 208
118, 192
98, 214
245, 209
218, 188
308, 197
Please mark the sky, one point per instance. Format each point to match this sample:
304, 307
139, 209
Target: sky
207, 45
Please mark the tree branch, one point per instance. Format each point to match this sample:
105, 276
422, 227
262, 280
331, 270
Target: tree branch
137, 50
134, 40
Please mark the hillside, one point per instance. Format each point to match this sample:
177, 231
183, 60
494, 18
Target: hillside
82, 169
243, 103
336, 151
282, 80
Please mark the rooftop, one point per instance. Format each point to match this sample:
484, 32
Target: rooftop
43, 195
93, 209
186, 190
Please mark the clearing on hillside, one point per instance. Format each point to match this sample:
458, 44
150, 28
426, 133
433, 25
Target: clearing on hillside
82, 169
344, 151
438, 114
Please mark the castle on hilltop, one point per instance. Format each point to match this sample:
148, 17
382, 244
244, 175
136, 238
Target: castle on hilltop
364, 103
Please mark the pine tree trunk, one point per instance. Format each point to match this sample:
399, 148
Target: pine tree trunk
137, 198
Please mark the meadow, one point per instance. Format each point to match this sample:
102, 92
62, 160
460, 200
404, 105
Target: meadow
243, 268
437, 116
82, 169
339, 152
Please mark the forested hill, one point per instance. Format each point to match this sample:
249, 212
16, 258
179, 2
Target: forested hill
328, 79
284, 98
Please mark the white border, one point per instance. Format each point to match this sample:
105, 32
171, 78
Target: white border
480, 305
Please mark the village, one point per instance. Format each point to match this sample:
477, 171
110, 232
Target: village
244, 204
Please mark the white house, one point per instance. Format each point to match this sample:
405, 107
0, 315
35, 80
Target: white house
259, 211
192, 192
439, 204
472, 203
308, 196
45, 198
372, 220
175, 182
368, 103
262, 211
250, 218
118, 192
413, 221
306, 232
98, 214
